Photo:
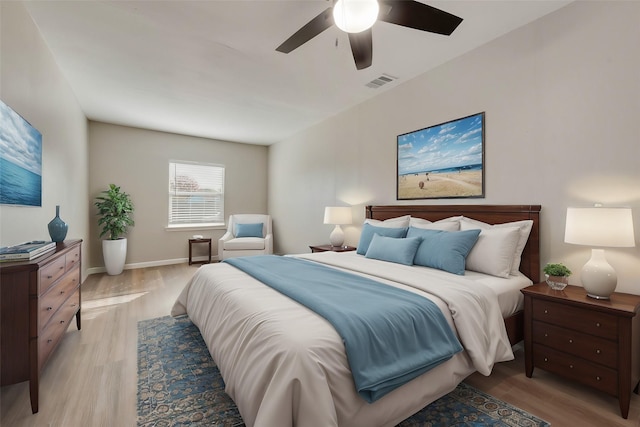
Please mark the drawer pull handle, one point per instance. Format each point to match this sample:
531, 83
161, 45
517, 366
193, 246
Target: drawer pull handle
546, 360
570, 341
49, 277
571, 366
61, 267
49, 341
598, 324
62, 321
598, 351
49, 308
546, 311
61, 292
546, 335
597, 378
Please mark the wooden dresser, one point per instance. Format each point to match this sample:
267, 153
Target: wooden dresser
38, 300
594, 342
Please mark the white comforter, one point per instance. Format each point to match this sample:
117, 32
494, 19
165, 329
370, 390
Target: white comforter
284, 365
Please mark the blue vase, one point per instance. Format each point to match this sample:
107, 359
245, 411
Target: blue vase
57, 227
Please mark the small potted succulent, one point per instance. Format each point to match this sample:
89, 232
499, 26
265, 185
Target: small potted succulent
557, 275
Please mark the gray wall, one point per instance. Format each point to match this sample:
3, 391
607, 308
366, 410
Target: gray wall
137, 160
562, 103
32, 84
561, 97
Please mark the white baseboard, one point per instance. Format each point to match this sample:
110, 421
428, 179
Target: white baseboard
96, 270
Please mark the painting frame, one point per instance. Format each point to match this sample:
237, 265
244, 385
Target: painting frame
20, 160
442, 161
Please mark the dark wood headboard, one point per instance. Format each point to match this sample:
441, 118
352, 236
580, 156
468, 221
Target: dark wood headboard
491, 214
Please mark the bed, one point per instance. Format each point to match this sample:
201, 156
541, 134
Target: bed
285, 365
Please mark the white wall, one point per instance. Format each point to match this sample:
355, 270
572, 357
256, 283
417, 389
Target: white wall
32, 84
562, 103
137, 160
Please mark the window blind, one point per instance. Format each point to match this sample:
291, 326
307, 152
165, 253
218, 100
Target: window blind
196, 194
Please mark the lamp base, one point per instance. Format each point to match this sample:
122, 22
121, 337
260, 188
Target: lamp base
599, 279
337, 236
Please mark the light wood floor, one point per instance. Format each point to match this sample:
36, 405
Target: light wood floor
91, 380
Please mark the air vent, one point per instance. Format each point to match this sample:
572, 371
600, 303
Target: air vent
380, 81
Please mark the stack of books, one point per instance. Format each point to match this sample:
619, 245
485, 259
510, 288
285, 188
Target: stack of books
26, 251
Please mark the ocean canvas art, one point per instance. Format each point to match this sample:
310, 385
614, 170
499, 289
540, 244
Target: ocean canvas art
20, 160
442, 161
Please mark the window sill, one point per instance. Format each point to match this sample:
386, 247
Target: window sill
192, 227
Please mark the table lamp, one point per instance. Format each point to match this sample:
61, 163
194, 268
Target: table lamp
337, 215
600, 227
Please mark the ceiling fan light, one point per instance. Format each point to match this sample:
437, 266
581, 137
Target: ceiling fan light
355, 16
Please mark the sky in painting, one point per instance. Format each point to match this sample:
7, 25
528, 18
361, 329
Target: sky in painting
20, 143
449, 145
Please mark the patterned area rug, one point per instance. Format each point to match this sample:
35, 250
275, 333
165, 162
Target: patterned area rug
180, 385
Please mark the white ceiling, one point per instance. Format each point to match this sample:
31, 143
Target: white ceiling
210, 68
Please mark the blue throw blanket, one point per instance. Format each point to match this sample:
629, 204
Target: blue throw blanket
391, 336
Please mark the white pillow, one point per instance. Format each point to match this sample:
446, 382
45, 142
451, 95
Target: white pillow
447, 224
398, 222
524, 227
493, 252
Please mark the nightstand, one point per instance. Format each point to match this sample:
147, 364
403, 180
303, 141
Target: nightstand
325, 248
594, 342
191, 242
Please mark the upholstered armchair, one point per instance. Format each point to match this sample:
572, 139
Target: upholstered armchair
247, 234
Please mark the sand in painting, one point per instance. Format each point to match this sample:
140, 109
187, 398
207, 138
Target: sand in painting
448, 184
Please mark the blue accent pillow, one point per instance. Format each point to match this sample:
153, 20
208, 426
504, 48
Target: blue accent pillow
444, 250
369, 230
393, 249
248, 230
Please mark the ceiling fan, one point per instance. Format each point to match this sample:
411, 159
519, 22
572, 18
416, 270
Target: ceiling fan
408, 13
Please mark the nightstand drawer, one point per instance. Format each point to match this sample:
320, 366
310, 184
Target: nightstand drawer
590, 374
588, 321
594, 349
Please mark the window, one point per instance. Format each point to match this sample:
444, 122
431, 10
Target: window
196, 194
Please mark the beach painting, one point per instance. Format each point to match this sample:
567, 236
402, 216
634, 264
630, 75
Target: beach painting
20, 160
442, 161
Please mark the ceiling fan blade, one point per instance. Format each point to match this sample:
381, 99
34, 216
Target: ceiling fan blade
362, 48
307, 32
419, 16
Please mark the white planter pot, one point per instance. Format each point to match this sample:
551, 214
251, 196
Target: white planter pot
114, 253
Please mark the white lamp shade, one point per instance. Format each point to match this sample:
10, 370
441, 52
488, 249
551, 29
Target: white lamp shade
337, 215
355, 16
602, 227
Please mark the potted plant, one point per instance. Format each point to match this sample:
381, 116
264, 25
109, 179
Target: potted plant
114, 209
557, 275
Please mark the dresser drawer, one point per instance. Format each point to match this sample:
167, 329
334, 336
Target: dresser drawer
594, 349
50, 273
579, 319
72, 258
56, 328
566, 365
55, 297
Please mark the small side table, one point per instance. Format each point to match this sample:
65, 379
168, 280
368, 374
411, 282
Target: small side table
594, 342
191, 242
325, 248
